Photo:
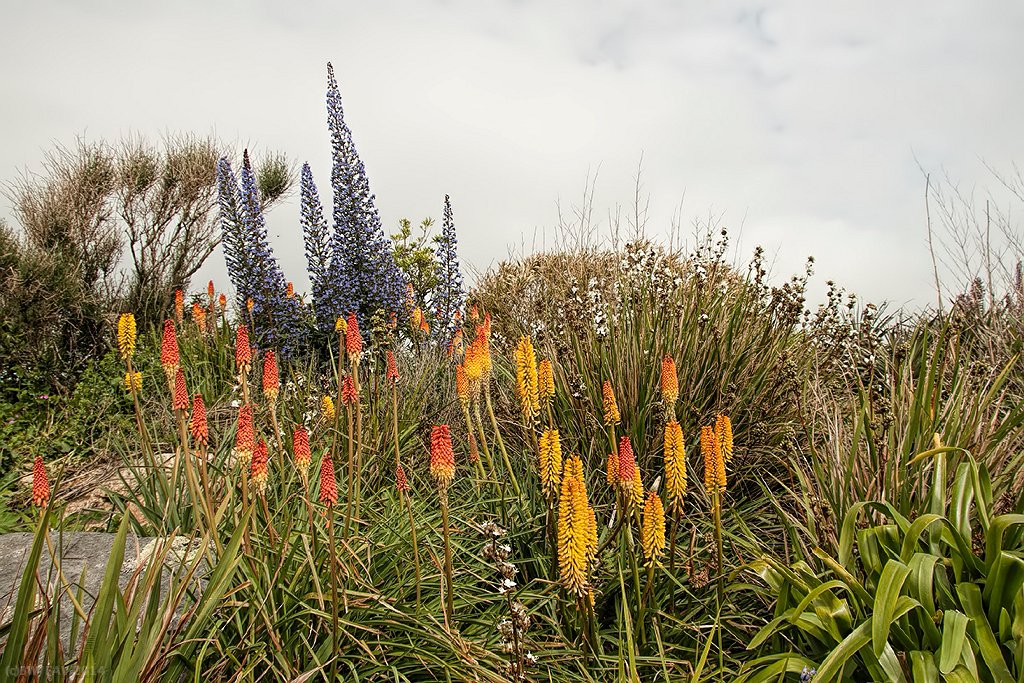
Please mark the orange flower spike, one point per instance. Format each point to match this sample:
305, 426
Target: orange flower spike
424, 326
474, 452
474, 313
612, 469
245, 437
714, 464
348, 391
199, 315
327, 408
675, 466
258, 472
353, 340
723, 430
300, 449
271, 381
169, 357
289, 290
401, 481
462, 384
392, 372
197, 424
652, 531
669, 381
179, 305
442, 456
416, 319
222, 301
180, 392
249, 304
243, 352
40, 483
611, 408
627, 462
487, 325
328, 482
340, 326
546, 380
210, 291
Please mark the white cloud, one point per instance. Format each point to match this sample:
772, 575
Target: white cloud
803, 120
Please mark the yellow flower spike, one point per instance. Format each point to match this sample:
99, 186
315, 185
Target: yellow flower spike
527, 388
669, 381
675, 466
340, 326
576, 531
723, 430
549, 461
714, 463
652, 532
133, 381
327, 408
126, 335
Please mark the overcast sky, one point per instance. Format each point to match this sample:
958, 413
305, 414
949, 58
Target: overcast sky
804, 122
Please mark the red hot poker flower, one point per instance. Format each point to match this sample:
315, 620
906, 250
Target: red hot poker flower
348, 390
627, 462
40, 484
180, 392
442, 456
300, 446
401, 481
353, 340
392, 375
328, 484
197, 425
169, 358
243, 352
271, 381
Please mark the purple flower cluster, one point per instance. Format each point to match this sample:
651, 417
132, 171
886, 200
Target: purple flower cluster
276, 319
448, 294
361, 274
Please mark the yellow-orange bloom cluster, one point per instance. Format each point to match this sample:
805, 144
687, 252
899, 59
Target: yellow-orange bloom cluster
133, 381
546, 380
179, 305
210, 291
669, 381
199, 315
419, 321
327, 408
169, 358
340, 326
401, 481
527, 386
675, 466
652, 531
723, 430
549, 457
197, 423
714, 463
249, 304
611, 408
222, 301
126, 335
289, 290
300, 448
258, 471
245, 436
40, 483
271, 380
577, 530
442, 457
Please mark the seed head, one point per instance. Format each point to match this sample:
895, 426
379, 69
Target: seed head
401, 482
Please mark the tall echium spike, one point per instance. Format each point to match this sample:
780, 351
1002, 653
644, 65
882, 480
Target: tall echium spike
276, 318
362, 265
448, 294
318, 250
231, 228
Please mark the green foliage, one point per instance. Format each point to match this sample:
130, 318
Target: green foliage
935, 597
417, 259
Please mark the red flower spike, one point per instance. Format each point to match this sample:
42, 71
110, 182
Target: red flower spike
180, 392
442, 456
258, 472
328, 484
245, 437
243, 352
353, 340
401, 481
348, 390
40, 484
197, 425
169, 357
300, 446
392, 375
271, 381
627, 462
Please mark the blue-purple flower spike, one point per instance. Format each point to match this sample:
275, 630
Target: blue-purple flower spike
318, 251
448, 295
